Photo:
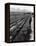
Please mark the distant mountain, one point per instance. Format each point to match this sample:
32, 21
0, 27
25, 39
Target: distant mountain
20, 10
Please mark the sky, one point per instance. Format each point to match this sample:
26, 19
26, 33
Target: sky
21, 8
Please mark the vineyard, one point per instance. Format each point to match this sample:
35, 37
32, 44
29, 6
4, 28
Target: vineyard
20, 26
